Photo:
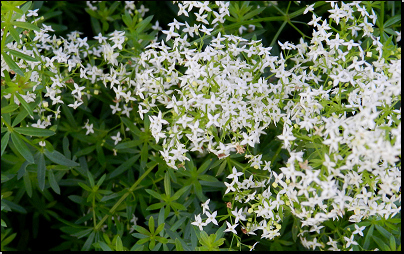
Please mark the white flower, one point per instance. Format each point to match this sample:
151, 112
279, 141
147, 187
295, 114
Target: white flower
115, 108
32, 13
358, 230
205, 206
234, 174
198, 222
117, 138
231, 228
308, 8
211, 218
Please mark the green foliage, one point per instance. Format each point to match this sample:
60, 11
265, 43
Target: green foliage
102, 195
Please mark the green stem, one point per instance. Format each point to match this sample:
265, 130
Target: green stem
278, 33
276, 7
381, 24
297, 29
112, 210
277, 152
94, 218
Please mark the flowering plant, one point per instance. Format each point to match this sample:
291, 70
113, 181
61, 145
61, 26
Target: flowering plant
290, 145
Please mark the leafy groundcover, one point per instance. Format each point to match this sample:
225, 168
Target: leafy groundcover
200, 125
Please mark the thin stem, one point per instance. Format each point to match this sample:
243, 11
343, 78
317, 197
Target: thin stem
277, 34
277, 152
381, 24
297, 29
112, 210
287, 10
276, 7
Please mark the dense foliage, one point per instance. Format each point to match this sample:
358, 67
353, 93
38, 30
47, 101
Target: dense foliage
200, 125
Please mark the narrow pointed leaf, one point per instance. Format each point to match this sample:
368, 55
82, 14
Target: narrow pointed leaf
12, 64
118, 245
124, 166
9, 108
25, 25
27, 183
60, 159
32, 131
141, 230
24, 104
151, 225
4, 142
53, 183
22, 56
167, 184
41, 171
22, 147
154, 194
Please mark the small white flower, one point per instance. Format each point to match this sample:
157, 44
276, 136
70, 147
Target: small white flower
117, 138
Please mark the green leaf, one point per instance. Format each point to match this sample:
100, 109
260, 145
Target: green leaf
154, 194
142, 25
198, 191
9, 108
124, 166
128, 144
392, 243
159, 228
155, 206
22, 56
127, 20
392, 20
27, 183
253, 13
131, 126
367, 237
161, 239
84, 186
12, 64
383, 231
25, 25
14, 206
295, 228
181, 191
41, 173
66, 150
118, 245
90, 178
141, 230
4, 142
381, 243
178, 245
178, 206
60, 159
100, 154
151, 225
89, 241
21, 116
85, 151
14, 34
52, 182
24, 104
104, 246
101, 180
22, 147
144, 155
32, 131
221, 168
167, 184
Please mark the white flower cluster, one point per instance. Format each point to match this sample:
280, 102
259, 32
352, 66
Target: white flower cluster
335, 96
